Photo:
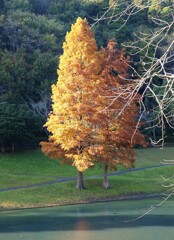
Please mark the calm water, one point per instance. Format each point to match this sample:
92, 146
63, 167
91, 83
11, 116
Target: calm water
100, 221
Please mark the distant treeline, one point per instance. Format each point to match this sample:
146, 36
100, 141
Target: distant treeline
31, 37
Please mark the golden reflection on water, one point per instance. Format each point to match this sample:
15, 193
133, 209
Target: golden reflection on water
81, 230
82, 225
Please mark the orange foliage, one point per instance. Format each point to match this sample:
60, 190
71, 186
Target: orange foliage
85, 124
52, 150
75, 97
118, 131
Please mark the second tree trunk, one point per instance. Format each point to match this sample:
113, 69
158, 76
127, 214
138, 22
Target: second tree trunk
105, 177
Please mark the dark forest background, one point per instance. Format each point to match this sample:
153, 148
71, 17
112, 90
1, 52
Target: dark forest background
31, 36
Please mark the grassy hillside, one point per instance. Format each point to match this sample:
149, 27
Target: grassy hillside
31, 167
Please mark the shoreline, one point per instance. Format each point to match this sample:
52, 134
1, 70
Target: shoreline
128, 197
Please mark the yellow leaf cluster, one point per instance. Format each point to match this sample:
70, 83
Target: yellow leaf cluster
84, 123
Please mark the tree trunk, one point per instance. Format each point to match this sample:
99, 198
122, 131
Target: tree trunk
105, 177
12, 147
153, 131
2, 147
80, 184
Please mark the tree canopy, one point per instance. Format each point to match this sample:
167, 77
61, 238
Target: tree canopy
85, 125
32, 33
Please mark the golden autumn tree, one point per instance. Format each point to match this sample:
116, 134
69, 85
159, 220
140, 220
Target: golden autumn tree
118, 131
75, 100
85, 124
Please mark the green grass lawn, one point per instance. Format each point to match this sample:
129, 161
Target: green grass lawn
25, 168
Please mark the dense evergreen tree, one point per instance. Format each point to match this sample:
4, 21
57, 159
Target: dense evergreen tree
19, 127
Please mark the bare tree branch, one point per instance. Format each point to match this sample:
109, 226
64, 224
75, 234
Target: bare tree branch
157, 52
